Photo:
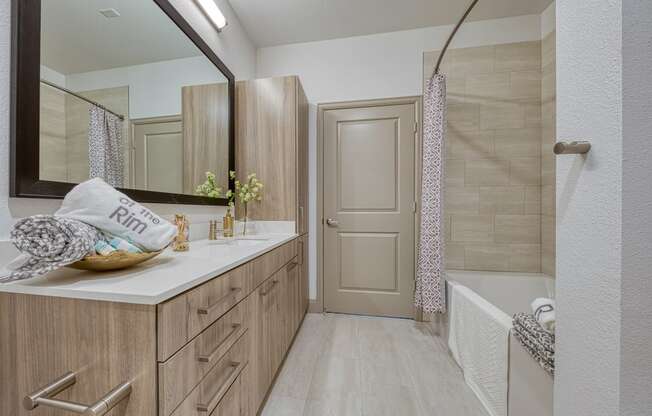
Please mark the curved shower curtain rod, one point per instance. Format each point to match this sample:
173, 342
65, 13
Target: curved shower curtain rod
450, 38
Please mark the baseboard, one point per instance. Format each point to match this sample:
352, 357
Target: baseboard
315, 307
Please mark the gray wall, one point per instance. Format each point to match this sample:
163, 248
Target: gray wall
604, 232
636, 319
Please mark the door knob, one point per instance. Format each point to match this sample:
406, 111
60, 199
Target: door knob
332, 223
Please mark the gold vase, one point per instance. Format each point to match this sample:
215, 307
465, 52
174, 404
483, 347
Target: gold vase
227, 223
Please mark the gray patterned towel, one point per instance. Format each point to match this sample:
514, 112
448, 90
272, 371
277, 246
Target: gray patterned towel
48, 242
538, 342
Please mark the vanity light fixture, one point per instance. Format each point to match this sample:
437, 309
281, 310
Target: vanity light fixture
213, 13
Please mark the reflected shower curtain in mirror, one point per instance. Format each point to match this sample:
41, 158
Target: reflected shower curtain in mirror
429, 295
105, 149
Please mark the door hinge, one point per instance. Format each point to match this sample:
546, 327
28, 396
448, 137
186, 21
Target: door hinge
414, 206
416, 127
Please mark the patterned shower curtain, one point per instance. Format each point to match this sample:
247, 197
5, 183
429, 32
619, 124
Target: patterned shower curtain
429, 295
105, 148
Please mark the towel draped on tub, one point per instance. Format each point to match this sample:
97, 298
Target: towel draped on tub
479, 341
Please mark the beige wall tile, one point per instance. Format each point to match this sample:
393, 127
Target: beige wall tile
502, 200
502, 115
533, 113
463, 116
548, 245
455, 89
525, 258
462, 200
547, 165
488, 86
525, 84
548, 87
469, 61
520, 56
548, 51
517, 143
489, 257
532, 200
454, 173
548, 200
472, 228
469, 145
526, 171
517, 229
487, 172
548, 262
454, 256
498, 150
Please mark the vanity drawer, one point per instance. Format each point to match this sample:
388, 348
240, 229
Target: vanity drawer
185, 369
235, 401
267, 264
182, 318
208, 394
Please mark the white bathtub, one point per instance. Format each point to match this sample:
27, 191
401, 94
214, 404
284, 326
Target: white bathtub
509, 292
530, 388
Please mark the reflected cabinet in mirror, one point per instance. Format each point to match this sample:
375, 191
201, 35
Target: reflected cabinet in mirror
124, 90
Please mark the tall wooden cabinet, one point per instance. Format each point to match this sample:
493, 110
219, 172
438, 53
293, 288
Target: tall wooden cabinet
272, 140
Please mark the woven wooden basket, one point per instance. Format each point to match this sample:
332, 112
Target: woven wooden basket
114, 261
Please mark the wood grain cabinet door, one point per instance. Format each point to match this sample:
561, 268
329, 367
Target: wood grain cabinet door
304, 289
105, 344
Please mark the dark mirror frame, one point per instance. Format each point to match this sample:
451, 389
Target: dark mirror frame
25, 104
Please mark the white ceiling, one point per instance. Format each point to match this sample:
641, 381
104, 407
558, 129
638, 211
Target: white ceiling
76, 38
277, 22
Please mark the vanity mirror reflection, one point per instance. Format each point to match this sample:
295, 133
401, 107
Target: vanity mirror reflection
125, 90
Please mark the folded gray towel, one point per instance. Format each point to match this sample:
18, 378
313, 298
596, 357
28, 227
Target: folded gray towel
538, 342
47, 243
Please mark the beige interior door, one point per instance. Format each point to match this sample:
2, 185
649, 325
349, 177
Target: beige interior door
158, 156
369, 194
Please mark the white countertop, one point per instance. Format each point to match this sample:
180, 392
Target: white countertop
156, 280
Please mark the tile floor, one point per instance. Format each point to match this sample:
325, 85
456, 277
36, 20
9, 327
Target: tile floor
342, 365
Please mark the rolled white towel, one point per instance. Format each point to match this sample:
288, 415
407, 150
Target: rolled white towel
544, 311
96, 203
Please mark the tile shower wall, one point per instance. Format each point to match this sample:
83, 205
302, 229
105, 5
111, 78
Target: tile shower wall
548, 138
493, 193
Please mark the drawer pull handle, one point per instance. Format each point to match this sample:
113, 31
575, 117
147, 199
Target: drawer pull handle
207, 310
274, 283
43, 397
208, 358
294, 263
236, 369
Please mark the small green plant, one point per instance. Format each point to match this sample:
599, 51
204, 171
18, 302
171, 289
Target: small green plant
209, 188
246, 192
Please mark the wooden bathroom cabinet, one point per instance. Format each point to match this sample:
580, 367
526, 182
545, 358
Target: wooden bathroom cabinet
272, 140
213, 350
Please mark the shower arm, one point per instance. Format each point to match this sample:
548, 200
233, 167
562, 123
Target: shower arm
450, 38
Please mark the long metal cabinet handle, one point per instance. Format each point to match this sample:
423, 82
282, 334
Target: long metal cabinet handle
274, 283
236, 369
208, 309
43, 397
301, 248
209, 357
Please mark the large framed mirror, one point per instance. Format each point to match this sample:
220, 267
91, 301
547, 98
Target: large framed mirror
125, 90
